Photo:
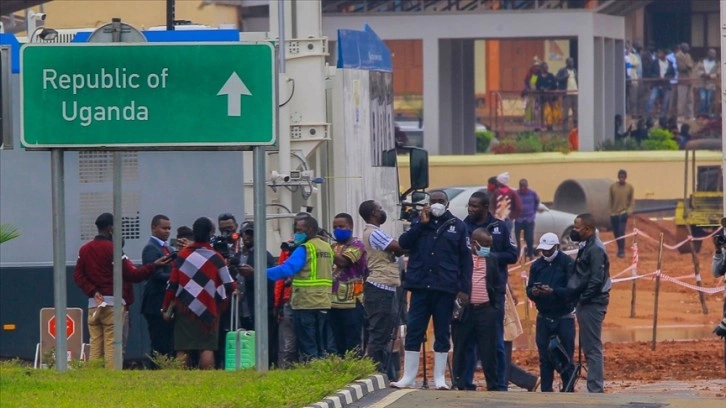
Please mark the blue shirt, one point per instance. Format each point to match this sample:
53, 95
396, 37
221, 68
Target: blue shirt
290, 267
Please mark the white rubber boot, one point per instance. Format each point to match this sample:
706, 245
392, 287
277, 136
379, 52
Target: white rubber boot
410, 370
440, 360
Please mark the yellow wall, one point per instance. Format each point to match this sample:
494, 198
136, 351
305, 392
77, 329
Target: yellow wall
655, 175
139, 13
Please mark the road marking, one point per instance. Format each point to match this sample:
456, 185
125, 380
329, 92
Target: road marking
391, 398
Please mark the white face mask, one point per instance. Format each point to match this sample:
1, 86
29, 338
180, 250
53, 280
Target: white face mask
438, 209
550, 258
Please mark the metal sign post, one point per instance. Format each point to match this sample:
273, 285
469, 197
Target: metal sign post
59, 253
260, 242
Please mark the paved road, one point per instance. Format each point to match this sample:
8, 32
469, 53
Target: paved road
462, 399
677, 396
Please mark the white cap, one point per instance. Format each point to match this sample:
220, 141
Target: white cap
548, 241
503, 178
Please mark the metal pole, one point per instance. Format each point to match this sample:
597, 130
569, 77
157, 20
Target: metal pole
170, 11
260, 254
118, 310
657, 290
282, 116
59, 258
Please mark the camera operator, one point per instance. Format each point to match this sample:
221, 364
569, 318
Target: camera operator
245, 258
718, 268
228, 244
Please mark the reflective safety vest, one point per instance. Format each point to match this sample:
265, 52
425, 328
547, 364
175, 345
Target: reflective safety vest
312, 285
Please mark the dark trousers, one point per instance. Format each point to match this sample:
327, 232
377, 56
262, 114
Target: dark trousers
590, 318
347, 328
528, 228
501, 352
314, 338
479, 323
516, 374
618, 224
379, 309
425, 304
161, 334
564, 328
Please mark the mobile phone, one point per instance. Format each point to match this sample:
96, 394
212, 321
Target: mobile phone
172, 255
172, 242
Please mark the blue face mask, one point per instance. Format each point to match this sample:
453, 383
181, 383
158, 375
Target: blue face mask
300, 237
342, 235
483, 251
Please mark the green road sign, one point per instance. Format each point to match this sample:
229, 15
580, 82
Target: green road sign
147, 96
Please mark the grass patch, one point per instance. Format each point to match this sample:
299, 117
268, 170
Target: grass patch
90, 386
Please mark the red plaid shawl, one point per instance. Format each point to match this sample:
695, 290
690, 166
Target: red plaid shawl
200, 282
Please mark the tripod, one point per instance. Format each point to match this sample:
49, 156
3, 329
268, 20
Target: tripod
576, 373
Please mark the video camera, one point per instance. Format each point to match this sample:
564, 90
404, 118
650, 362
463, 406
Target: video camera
410, 209
224, 244
721, 237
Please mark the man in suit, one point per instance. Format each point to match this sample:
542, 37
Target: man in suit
161, 332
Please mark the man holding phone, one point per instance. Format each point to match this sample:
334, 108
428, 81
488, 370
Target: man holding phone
161, 332
547, 288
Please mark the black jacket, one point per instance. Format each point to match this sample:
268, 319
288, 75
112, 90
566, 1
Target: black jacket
562, 78
493, 278
655, 73
440, 255
591, 281
155, 287
553, 274
503, 246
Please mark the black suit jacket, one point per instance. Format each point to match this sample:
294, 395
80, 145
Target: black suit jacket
156, 284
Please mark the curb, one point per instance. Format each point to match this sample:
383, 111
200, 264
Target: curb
353, 392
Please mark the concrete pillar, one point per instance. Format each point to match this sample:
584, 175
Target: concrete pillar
457, 114
431, 93
611, 57
447, 101
598, 89
586, 74
619, 80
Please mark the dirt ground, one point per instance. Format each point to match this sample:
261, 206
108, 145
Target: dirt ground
686, 350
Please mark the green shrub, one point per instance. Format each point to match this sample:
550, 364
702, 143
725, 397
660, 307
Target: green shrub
483, 138
659, 139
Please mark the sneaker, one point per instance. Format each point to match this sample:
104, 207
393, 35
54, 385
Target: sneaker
621, 254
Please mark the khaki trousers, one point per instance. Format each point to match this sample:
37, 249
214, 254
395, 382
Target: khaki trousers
100, 330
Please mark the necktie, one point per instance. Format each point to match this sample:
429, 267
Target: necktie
165, 249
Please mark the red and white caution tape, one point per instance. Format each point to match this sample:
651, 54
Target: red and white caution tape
694, 287
678, 245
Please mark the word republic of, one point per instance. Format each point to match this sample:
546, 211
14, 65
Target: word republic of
117, 78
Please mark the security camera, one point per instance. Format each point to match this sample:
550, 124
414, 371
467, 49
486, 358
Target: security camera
39, 16
280, 177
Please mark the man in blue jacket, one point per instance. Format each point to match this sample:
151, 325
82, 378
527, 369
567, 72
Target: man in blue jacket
505, 250
439, 266
547, 288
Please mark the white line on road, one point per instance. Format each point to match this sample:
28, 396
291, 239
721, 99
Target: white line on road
391, 398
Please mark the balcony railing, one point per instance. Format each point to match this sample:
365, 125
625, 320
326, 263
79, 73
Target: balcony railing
443, 6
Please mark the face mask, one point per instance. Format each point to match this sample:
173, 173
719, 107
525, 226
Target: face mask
438, 209
383, 217
575, 236
483, 251
342, 235
551, 257
300, 237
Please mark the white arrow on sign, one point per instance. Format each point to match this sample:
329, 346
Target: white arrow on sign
234, 88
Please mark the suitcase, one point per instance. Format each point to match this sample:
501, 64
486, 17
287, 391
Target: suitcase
239, 345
